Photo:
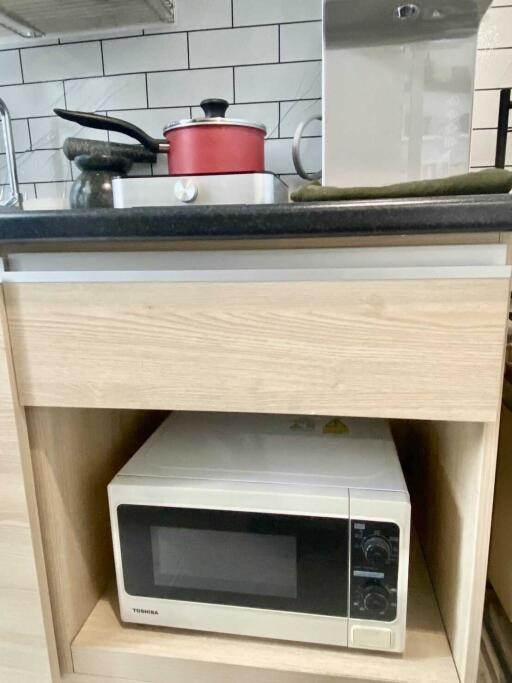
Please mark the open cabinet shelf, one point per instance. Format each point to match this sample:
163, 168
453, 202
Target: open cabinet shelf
107, 647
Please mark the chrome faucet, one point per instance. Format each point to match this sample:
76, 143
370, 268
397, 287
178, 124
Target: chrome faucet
15, 197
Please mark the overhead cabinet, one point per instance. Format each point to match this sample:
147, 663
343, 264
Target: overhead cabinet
35, 18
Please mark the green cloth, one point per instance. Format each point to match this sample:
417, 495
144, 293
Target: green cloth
489, 181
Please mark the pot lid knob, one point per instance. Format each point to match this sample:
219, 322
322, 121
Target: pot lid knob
214, 108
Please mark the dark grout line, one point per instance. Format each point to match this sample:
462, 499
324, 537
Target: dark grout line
30, 135
21, 67
102, 57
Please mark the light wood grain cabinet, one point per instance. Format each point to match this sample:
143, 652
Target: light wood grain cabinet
500, 560
96, 353
428, 349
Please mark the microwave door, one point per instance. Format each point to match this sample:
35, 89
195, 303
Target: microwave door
278, 562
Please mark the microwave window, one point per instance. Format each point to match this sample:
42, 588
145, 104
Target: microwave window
288, 563
225, 561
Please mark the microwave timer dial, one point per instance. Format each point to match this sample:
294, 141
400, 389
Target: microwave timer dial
375, 599
376, 550
374, 570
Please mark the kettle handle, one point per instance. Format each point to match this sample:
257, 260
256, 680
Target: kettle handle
297, 161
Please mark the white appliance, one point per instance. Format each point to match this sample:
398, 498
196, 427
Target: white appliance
231, 188
284, 527
398, 85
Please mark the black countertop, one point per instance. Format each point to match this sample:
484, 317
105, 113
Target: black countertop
483, 213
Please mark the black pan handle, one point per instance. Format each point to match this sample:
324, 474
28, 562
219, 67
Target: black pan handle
99, 122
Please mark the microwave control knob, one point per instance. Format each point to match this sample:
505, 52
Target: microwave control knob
185, 191
376, 599
376, 550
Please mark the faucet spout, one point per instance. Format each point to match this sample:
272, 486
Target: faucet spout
15, 197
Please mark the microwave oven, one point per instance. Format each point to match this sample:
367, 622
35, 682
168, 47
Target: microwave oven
271, 526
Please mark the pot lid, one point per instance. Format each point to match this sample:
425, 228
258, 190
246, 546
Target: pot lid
214, 114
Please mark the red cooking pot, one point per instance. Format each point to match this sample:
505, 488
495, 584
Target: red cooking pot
208, 145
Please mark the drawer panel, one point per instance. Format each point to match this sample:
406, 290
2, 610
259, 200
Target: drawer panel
424, 348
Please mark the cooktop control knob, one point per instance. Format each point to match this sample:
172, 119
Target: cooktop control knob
376, 550
375, 599
185, 191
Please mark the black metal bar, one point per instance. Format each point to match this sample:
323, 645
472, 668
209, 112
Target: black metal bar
501, 144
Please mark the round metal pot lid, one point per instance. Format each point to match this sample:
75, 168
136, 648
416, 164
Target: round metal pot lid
214, 115
217, 121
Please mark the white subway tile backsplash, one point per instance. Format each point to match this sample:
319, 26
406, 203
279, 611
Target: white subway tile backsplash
293, 113
496, 29
10, 67
301, 41
247, 12
485, 109
255, 45
493, 69
153, 121
483, 148
153, 76
181, 88
42, 166
53, 190
28, 190
278, 82
112, 92
21, 136
37, 99
50, 132
146, 53
192, 15
131, 70
266, 113
278, 155
62, 61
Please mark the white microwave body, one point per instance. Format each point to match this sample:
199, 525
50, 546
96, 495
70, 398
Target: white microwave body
265, 526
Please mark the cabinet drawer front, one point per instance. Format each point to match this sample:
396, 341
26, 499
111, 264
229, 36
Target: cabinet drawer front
414, 348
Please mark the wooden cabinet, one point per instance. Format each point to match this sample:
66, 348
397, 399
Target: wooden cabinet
500, 559
417, 337
390, 340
